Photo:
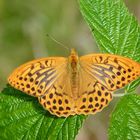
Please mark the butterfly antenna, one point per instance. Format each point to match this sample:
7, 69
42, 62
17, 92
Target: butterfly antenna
59, 43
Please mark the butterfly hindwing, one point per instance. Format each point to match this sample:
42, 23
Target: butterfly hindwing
58, 99
93, 96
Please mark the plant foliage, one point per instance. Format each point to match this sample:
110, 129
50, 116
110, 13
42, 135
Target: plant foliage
22, 118
117, 31
125, 120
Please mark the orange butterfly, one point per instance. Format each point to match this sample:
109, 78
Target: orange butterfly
75, 85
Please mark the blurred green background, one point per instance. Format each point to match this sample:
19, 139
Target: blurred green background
23, 29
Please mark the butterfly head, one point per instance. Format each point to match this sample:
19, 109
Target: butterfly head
73, 51
73, 55
73, 59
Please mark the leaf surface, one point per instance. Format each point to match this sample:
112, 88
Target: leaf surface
125, 119
22, 117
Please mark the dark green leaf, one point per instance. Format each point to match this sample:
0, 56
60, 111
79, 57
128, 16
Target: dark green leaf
125, 119
22, 118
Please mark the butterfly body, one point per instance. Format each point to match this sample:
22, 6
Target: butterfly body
74, 73
75, 85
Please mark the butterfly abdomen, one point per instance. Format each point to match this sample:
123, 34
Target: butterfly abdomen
74, 72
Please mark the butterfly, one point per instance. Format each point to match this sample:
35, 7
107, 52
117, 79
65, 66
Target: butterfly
74, 85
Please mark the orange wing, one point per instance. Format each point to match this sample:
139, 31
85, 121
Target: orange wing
36, 77
112, 71
93, 96
58, 99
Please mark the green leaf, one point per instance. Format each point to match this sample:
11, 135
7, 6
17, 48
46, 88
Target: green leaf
125, 119
131, 87
114, 28
22, 118
117, 31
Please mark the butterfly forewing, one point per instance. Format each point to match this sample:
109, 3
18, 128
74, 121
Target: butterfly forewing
112, 71
36, 77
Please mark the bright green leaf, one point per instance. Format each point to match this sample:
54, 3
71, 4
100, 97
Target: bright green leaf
115, 30
125, 119
131, 87
22, 117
